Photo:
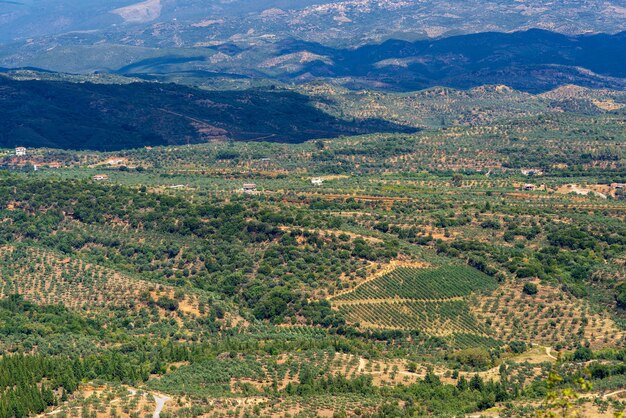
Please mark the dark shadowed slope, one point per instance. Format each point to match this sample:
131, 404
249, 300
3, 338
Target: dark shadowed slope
534, 61
110, 116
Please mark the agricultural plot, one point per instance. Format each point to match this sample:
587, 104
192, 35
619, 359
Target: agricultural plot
47, 278
550, 317
110, 401
422, 284
433, 318
431, 300
248, 374
301, 406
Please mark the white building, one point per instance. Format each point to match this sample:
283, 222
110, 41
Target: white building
20, 151
100, 177
249, 188
532, 172
317, 181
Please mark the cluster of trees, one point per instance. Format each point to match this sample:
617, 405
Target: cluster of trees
311, 383
569, 255
22, 390
31, 381
239, 249
428, 396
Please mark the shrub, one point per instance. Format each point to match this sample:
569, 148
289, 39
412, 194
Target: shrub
583, 354
530, 289
167, 303
517, 347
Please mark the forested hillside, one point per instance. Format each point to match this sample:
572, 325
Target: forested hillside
75, 115
104, 112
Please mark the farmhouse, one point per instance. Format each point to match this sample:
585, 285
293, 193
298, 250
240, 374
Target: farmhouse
249, 188
317, 181
20, 151
100, 177
529, 187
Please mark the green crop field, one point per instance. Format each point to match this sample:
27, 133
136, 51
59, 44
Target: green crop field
433, 318
423, 284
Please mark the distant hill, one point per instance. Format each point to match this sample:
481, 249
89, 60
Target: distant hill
72, 115
111, 112
438, 107
532, 61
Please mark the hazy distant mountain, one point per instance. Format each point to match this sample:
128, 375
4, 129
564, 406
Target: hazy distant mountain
388, 44
189, 23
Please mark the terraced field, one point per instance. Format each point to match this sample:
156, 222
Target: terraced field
431, 300
550, 318
48, 278
422, 284
433, 318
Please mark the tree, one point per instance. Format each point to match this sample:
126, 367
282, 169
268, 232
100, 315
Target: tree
518, 347
530, 288
476, 383
474, 357
621, 296
411, 367
560, 401
583, 354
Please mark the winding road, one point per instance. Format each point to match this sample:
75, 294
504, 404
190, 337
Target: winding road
160, 403
617, 392
549, 353
158, 398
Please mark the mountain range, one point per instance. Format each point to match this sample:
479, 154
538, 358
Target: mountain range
381, 44
346, 23
533, 61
